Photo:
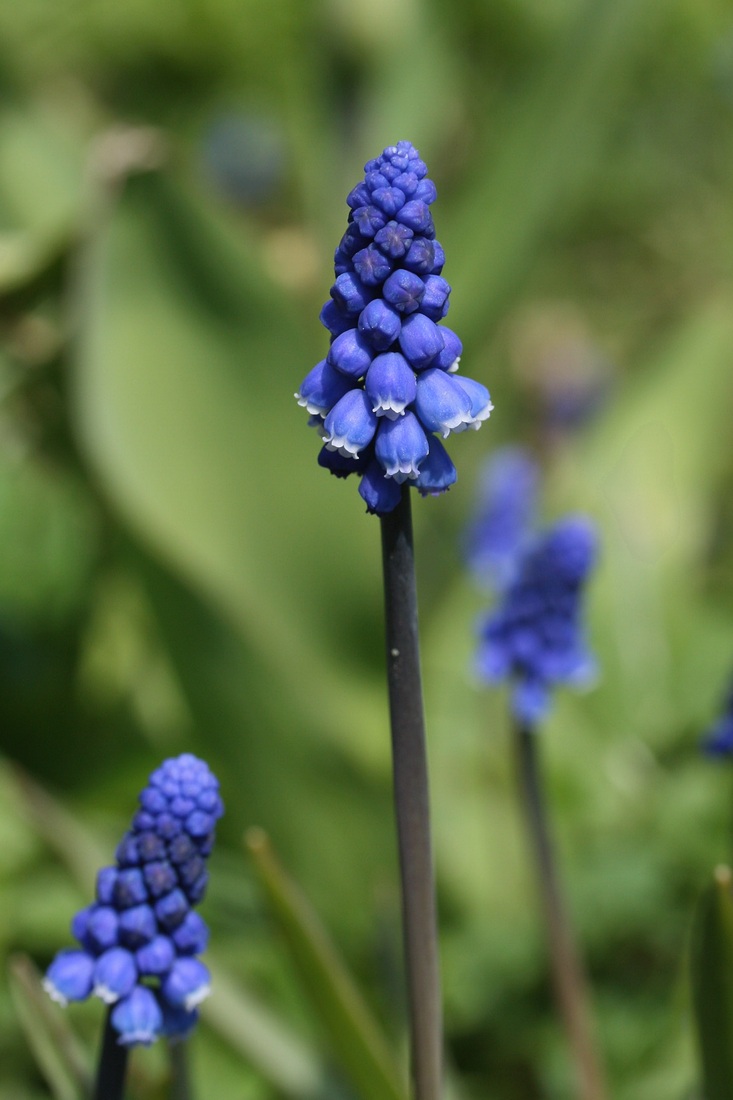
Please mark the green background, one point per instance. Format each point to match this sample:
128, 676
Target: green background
176, 573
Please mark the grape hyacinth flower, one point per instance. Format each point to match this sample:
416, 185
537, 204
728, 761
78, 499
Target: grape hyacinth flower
505, 516
139, 940
535, 638
388, 387
718, 741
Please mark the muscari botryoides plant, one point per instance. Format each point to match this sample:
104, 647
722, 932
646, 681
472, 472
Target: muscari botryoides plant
534, 639
140, 939
383, 398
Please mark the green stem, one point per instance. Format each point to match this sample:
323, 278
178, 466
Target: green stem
110, 1081
412, 808
568, 976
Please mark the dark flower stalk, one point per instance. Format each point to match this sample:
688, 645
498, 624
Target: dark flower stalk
411, 796
385, 395
139, 940
535, 640
568, 975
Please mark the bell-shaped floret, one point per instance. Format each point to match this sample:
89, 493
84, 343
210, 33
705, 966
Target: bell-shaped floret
420, 340
187, 983
350, 353
390, 385
351, 424
401, 446
339, 465
442, 405
137, 1018
380, 324
115, 974
178, 1023
69, 977
437, 472
478, 395
380, 493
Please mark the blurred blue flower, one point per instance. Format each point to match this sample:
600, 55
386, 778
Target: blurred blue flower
535, 637
718, 741
388, 383
505, 516
139, 938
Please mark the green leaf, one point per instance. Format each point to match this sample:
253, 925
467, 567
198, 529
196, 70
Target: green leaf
712, 985
55, 1047
265, 1041
357, 1041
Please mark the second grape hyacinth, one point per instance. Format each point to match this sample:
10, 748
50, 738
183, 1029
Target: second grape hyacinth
139, 940
389, 387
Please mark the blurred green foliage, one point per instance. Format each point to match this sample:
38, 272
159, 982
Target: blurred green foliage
176, 573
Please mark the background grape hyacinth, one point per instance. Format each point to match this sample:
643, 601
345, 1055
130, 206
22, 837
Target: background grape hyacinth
388, 388
718, 741
139, 940
535, 637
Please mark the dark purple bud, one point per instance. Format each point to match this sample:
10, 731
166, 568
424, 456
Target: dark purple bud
372, 267
394, 240
171, 909
137, 926
420, 256
156, 957
404, 290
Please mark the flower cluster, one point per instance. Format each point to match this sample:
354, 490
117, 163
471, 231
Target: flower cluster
388, 387
504, 517
140, 938
719, 739
535, 637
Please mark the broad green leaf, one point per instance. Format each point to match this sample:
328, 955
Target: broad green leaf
55, 1047
712, 985
357, 1041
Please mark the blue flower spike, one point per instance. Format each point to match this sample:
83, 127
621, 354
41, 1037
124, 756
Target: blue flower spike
140, 938
388, 386
535, 638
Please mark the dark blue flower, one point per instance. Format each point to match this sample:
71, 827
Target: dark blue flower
140, 937
718, 741
535, 637
384, 391
505, 516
